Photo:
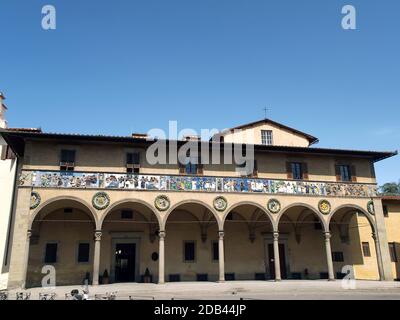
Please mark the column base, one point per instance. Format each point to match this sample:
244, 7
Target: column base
331, 279
220, 281
278, 280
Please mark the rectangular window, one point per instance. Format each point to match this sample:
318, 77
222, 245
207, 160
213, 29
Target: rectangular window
215, 251
189, 251
133, 162
191, 168
385, 211
126, 214
266, 137
337, 256
297, 170
345, 173
366, 249
51, 253
83, 252
67, 160
392, 249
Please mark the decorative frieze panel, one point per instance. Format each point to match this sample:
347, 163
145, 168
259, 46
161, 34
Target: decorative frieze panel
79, 180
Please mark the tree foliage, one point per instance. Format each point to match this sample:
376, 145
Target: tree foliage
390, 188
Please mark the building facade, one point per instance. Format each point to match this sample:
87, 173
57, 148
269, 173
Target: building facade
8, 164
96, 209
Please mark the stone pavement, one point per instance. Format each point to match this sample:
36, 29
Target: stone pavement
235, 290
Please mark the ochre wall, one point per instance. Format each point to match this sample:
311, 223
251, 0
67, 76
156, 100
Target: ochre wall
281, 137
392, 223
112, 158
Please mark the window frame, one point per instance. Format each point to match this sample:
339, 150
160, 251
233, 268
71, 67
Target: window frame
77, 252
267, 138
194, 251
299, 166
65, 163
392, 252
214, 243
366, 249
336, 255
45, 252
385, 210
341, 173
133, 165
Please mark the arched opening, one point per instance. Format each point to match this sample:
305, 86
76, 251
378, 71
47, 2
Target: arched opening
301, 242
191, 243
62, 237
129, 244
353, 247
248, 230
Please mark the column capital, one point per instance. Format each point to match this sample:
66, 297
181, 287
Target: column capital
276, 235
162, 234
327, 235
374, 236
97, 235
221, 234
29, 234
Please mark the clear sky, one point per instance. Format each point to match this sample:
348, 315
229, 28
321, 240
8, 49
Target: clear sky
122, 66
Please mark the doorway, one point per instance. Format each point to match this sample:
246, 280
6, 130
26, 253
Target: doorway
125, 262
282, 259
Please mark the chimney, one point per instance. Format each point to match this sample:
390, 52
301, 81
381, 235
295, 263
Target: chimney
3, 109
143, 136
192, 138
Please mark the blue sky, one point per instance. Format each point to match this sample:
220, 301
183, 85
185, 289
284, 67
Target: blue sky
116, 67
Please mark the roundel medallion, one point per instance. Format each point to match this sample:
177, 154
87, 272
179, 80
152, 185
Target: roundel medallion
162, 203
370, 207
324, 207
35, 200
220, 203
274, 206
101, 200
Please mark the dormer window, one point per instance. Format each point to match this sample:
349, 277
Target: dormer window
67, 160
133, 162
266, 137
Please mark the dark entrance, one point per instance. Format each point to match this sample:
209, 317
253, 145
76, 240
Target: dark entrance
282, 259
125, 262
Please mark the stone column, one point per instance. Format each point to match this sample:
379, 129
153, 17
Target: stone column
378, 257
221, 256
277, 260
20, 240
26, 258
381, 243
161, 258
329, 255
96, 258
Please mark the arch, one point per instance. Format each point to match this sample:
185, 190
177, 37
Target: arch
249, 203
354, 207
191, 201
47, 203
301, 204
127, 201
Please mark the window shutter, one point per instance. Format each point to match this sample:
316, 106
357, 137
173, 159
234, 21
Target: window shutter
337, 172
255, 169
304, 169
200, 167
136, 158
289, 170
181, 167
353, 173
